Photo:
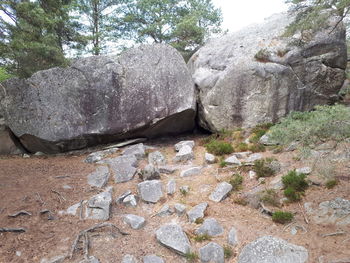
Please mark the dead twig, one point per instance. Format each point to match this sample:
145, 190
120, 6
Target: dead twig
348, 239
339, 233
83, 237
20, 213
40, 199
14, 230
265, 210
62, 176
60, 196
303, 213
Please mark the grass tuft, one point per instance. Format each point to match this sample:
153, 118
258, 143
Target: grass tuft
282, 217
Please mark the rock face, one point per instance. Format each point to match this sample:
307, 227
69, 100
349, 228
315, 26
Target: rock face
212, 253
221, 192
256, 76
173, 237
99, 177
145, 92
8, 143
150, 191
210, 227
269, 249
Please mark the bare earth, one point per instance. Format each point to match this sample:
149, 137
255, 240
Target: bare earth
37, 183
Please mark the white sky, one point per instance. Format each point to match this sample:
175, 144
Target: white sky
240, 13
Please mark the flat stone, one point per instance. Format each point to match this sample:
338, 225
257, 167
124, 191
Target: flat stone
98, 156
130, 201
129, 259
221, 192
168, 169
171, 187
242, 155
91, 259
138, 150
150, 172
210, 227
156, 158
134, 221
304, 170
72, 210
212, 253
166, 210
209, 158
180, 209
122, 196
152, 259
184, 189
232, 237
191, 171
265, 140
98, 207
150, 191
252, 174
232, 160
254, 157
124, 168
269, 249
197, 212
181, 144
185, 154
173, 237
99, 177
56, 259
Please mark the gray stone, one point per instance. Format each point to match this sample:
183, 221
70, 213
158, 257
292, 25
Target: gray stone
252, 174
184, 189
269, 249
191, 171
130, 201
210, 227
166, 210
150, 172
56, 259
67, 187
256, 75
212, 253
129, 259
123, 196
145, 92
197, 212
292, 146
98, 156
171, 187
185, 154
254, 157
232, 160
242, 155
152, 259
150, 191
209, 158
304, 170
134, 221
179, 145
73, 210
156, 158
180, 209
275, 166
266, 140
91, 259
173, 237
9, 144
99, 177
232, 237
98, 207
138, 150
220, 192
124, 168
168, 169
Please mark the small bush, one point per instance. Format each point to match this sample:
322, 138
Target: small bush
295, 180
240, 201
241, 147
331, 183
262, 169
222, 162
4, 75
263, 55
270, 197
228, 253
292, 194
199, 221
202, 237
191, 257
259, 131
282, 217
219, 147
256, 147
236, 181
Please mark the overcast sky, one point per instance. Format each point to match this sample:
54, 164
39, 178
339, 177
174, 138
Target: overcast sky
240, 13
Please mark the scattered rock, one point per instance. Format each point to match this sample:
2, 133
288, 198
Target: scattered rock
184, 154
292, 146
98, 156
181, 144
98, 207
197, 212
138, 150
171, 187
191, 171
130, 201
152, 259
156, 158
304, 170
166, 210
72, 210
252, 174
150, 191
232, 160
123, 196
271, 249
124, 168
180, 209
56, 259
210, 227
134, 221
129, 259
173, 237
242, 155
168, 169
209, 158
254, 157
212, 253
150, 172
184, 189
99, 177
221, 192
265, 140
276, 183
232, 237
275, 166
90, 260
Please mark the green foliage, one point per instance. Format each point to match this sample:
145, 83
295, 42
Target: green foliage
222, 162
262, 169
183, 192
292, 194
4, 75
331, 183
228, 252
259, 131
191, 257
241, 147
256, 147
199, 221
262, 55
240, 201
270, 197
294, 184
282, 217
219, 147
236, 181
322, 124
202, 237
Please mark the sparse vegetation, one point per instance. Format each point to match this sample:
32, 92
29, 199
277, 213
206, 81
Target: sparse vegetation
219, 147
259, 131
270, 197
236, 181
202, 238
240, 201
294, 185
331, 183
262, 169
228, 253
262, 55
282, 217
183, 191
241, 147
222, 162
191, 257
199, 221
256, 147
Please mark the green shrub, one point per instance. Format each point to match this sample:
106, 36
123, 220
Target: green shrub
191, 257
270, 197
4, 75
240, 201
292, 194
262, 55
219, 147
282, 217
228, 253
222, 162
259, 131
322, 124
199, 221
295, 180
256, 147
331, 183
202, 237
236, 181
262, 169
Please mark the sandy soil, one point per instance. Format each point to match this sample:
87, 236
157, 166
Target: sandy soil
38, 183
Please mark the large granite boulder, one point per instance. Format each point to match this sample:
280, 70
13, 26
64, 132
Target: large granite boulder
8, 142
256, 76
145, 92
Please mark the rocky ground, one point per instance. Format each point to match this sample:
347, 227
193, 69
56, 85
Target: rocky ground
37, 194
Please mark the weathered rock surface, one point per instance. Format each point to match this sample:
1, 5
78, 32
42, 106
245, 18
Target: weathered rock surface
180, 209
99, 177
145, 92
130, 201
197, 212
98, 156
257, 76
220, 192
134, 221
232, 160
210, 227
212, 253
156, 158
150, 191
129, 259
124, 167
138, 150
269, 249
166, 210
209, 158
152, 259
173, 237
9, 144
99, 206
150, 172
184, 154
181, 144
191, 171
171, 187
232, 237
